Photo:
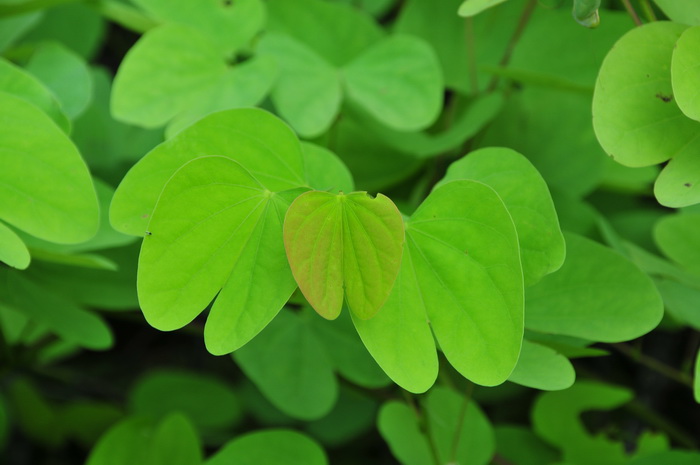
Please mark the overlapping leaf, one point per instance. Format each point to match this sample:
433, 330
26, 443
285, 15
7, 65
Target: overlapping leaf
543, 368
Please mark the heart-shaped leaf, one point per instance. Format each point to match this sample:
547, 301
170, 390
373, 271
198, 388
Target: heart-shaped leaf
344, 245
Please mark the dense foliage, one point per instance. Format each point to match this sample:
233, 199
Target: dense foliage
369, 231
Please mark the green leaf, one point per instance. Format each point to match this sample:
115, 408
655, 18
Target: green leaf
13, 27
556, 418
352, 416
222, 231
680, 301
174, 442
85, 421
65, 73
271, 447
597, 295
19, 83
526, 196
678, 185
677, 237
519, 445
681, 12
228, 25
462, 233
125, 443
288, 363
325, 171
398, 425
586, 12
540, 367
470, 8
685, 71
256, 139
208, 403
344, 348
57, 313
671, 457
635, 117
398, 81
696, 378
308, 90
12, 250
54, 198
344, 245
458, 428
36, 418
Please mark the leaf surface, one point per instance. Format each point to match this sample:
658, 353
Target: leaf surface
273, 447
540, 367
12, 250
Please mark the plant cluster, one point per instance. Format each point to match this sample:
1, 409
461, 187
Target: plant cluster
395, 220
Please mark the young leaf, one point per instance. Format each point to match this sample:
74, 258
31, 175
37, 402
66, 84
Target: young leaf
215, 229
529, 203
597, 295
256, 139
288, 363
685, 72
54, 198
344, 245
12, 250
540, 367
398, 81
273, 447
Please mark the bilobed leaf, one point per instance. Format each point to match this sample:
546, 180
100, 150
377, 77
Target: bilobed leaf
288, 363
685, 72
209, 403
344, 245
527, 198
325, 171
256, 139
12, 250
678, 237
65, 73
597, 295
308, 91
470, 8
398, 425
462, 233
54, 198
215, 229
398, 81
229, 25
543, 368
19, 83
271, 447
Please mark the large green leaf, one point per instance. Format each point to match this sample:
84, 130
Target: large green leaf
65, 73
308, 91
288, 363
208, 403
398, 81
14, 80
12, 250
45, 187
344, 245
229, 25
215, 230
271, 447
597, 295
256, 139
679, 238
685, 72
529, 203
176, 72
543, 368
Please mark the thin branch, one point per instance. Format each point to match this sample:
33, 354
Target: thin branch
632, 13
648, 10
654, 364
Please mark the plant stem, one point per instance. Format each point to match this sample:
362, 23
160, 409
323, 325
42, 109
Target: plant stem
460, 421
648, 10
632, 13
519, 29
471, 54
654, 364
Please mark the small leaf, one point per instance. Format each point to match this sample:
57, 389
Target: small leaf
288, 363
540, 367
12, 250
470, 8
398, 81
54, 198
529, 203
344, 245
215, 230
270, 447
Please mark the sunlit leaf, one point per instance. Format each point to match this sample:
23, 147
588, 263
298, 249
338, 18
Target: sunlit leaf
543, 368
